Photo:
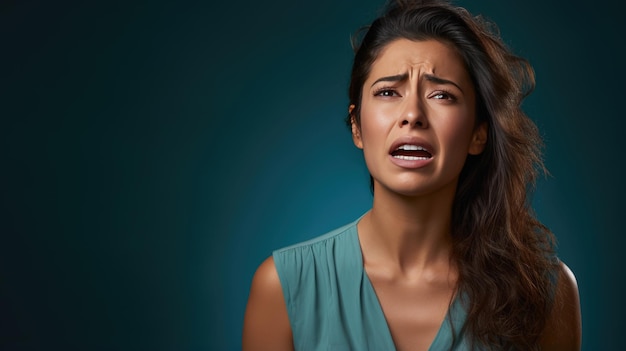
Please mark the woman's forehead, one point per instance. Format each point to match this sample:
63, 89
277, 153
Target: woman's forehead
405, 56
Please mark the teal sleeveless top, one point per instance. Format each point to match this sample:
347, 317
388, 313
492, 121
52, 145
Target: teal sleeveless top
332, 304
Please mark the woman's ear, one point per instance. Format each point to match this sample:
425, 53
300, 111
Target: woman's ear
356, 130
479, 139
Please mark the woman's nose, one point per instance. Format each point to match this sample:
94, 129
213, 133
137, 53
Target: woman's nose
414, 114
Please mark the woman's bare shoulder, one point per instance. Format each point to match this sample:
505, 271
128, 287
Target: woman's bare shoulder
563, 330
266, 278
266, 324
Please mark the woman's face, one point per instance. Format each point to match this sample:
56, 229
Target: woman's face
418, 118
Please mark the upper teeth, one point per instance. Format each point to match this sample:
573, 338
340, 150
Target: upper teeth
410, 147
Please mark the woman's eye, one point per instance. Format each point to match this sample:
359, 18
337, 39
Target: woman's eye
442, 95
386, 93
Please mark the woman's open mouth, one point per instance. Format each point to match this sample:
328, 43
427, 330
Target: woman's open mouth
411, 153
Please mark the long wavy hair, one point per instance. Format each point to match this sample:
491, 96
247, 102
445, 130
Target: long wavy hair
505, 256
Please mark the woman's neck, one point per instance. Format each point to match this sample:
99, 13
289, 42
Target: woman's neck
409, 235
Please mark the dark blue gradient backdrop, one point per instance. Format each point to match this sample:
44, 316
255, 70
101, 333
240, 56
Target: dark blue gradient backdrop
154, 153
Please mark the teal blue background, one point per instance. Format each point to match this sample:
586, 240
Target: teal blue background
154, 153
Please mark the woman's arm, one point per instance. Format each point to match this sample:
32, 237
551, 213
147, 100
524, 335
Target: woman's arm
563, 330
266, 324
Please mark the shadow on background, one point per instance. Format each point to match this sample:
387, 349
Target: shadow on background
154, 153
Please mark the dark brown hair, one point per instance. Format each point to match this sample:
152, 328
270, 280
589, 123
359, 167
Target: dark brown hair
505, 256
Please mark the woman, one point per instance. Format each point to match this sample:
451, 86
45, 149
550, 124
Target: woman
450, 256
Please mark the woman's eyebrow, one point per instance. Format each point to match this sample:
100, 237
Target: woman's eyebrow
396, 78
428, 77
439, 80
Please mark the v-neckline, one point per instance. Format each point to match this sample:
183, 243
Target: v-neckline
439, 342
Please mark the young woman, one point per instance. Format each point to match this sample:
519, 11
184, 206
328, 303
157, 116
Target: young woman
450, 256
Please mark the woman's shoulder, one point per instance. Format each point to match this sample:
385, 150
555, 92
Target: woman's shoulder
287, 281
331, 253
563, 329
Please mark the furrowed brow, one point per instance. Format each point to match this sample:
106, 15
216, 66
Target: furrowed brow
396, 78
439, 80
